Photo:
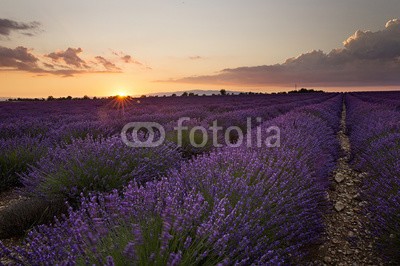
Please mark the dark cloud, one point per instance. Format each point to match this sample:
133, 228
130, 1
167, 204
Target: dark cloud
7, 26
127, 58
62, 63
369, 45
69, 57
367, 58
107, 64
19, 58
130, 60
51, 66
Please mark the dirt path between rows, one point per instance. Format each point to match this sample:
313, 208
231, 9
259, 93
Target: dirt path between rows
347, 241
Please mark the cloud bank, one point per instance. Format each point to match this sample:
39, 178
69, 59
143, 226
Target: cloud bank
8, 26
63, 63
366, 58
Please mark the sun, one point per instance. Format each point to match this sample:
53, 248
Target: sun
120, 101
122, 94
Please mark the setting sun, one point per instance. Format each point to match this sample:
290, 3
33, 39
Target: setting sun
122, 94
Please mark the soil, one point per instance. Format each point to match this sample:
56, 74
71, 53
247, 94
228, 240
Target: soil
6, 199
347, 241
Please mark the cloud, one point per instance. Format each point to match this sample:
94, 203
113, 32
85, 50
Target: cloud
128, 59
51, 66
61, 63
107, 64
19, 58
383, 44
65, 63
196, 57
366, 58
22, 59
7, 26
69, 56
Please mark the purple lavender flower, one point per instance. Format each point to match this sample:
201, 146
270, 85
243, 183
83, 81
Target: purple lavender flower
231, 206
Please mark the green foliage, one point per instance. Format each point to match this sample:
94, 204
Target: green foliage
186, 144
15, 157
17, 218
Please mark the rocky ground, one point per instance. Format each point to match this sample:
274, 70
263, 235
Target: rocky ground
6, 199
347, 241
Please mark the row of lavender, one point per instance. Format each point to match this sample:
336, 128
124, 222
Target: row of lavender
51, 171
77, 118
375, 137
235, 205
388, 98
65, 120
29, 130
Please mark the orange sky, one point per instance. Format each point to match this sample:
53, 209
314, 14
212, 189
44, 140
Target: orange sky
113, 84
101, 48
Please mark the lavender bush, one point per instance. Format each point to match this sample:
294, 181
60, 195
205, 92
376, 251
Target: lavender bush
233, 206
95, 165
375, 135
16, 154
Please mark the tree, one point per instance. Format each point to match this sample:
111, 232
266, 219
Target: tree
305, 90
173, 95
50, 98
184, 94
223, 92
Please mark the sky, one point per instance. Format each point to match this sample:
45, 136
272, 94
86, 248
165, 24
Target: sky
104, 47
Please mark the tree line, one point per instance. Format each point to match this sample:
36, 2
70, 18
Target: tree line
184, 94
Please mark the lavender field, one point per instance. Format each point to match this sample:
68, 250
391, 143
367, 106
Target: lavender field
287, 179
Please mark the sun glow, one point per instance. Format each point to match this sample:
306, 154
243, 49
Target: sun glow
121, 100
122, 94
